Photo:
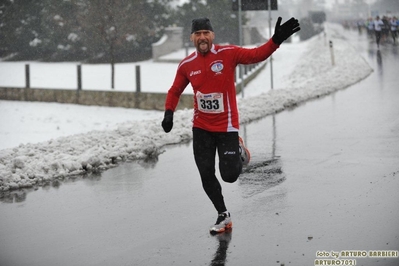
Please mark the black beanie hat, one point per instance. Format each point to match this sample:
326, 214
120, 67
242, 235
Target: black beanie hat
201, 24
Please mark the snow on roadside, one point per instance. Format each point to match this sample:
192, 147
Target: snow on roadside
37, 164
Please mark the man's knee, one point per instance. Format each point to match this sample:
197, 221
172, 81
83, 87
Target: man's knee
230, 174
230, 178
230, 171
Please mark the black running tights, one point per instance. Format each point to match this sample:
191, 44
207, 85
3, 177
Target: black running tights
205, 144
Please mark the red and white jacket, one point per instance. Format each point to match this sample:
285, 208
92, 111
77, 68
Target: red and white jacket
212, 78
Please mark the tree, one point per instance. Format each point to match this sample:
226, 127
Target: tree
21, 28
40, 30
121, 30
60, 30
81, 30
5, 14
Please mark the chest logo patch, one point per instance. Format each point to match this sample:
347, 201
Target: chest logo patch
217, 67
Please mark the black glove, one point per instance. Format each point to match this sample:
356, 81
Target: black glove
167, 122
283, 32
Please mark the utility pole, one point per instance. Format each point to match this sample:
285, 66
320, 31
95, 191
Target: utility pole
240, 72
269, 4
244, 5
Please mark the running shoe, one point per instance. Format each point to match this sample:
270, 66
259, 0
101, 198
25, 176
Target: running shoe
244, 152
222, 224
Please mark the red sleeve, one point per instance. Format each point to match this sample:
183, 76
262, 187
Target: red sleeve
258, 54
178, 86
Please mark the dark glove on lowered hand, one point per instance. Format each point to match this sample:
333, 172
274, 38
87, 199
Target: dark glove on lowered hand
283, 32
167, 122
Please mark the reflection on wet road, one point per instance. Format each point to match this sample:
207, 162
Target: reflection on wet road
220, 256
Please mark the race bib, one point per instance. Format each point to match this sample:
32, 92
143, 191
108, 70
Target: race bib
210, 103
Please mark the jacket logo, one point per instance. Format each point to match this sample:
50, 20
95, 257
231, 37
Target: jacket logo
193, 73
217, 67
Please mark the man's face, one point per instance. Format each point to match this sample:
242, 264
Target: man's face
202, 40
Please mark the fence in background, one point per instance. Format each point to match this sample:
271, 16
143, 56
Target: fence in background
136, 99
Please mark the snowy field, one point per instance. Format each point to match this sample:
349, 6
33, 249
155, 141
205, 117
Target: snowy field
40, 142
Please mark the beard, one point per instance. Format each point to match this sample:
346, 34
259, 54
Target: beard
203, 47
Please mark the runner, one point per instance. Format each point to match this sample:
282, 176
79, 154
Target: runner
378, 24
394, 26
210, 70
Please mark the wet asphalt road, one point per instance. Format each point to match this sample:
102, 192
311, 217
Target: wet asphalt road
324, 177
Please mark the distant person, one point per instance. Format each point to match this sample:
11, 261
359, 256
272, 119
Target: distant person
385, 28
394, 26
210, 70
360, 25
370, 27
378, 25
